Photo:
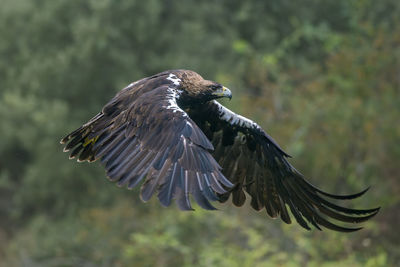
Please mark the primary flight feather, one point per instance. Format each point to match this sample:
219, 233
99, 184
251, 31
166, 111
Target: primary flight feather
169, 133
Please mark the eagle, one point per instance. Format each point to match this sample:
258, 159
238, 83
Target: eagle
169, 133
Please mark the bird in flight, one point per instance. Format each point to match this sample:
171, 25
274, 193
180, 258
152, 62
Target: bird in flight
169, 133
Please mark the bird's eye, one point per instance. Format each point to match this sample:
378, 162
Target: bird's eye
215, 87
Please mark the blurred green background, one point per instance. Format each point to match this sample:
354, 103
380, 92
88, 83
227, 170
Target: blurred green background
322, 77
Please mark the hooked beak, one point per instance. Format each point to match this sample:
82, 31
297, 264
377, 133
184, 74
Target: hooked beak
223, 92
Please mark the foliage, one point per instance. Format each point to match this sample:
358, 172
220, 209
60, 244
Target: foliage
322, 77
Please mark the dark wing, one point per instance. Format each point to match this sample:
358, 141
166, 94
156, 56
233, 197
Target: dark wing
253, 161
148, 137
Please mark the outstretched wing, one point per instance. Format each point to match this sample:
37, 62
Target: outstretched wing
255, 163
146, 136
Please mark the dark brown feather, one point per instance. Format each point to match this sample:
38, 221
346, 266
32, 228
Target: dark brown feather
253, 161
167, 131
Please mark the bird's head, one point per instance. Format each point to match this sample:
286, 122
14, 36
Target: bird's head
199, 89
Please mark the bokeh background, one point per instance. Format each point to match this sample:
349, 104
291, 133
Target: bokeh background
322, 77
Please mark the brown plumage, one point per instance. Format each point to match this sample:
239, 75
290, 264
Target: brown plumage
169, 133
